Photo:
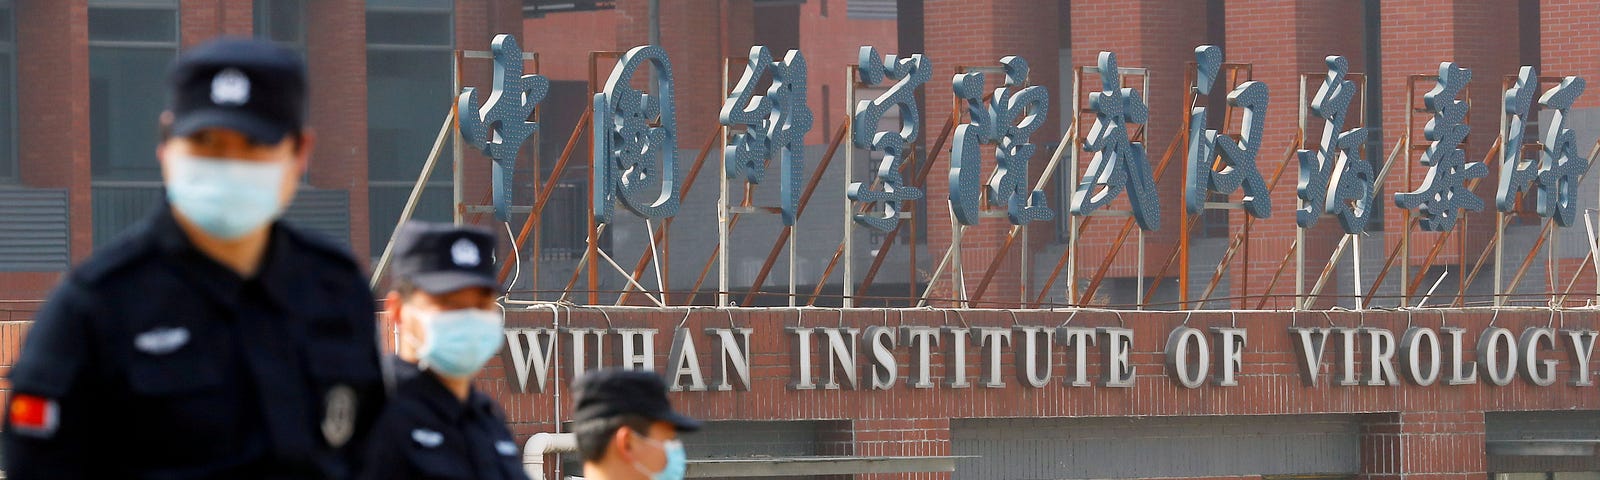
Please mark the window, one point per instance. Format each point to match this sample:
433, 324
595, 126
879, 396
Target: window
409, 93
131, 42
282, 21
871, 9
1376, 152
8, 93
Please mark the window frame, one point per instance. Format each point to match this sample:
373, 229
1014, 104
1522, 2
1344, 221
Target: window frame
8, 47
434, 182
113, 177
261, 24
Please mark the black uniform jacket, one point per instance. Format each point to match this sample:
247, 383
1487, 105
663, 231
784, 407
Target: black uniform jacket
428, 433
154, 361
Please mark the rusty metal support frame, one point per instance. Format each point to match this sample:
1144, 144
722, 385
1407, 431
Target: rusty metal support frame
907, 213
1346, 240
987, 212
1547, 232
1069, 260
1297, 249
1404, 248
1185, 222
1501, 291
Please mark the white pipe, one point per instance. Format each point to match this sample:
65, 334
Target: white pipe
541, 444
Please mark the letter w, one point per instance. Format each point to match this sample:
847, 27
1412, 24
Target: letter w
535, 353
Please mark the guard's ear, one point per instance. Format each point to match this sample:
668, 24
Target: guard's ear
622, 442
306, 140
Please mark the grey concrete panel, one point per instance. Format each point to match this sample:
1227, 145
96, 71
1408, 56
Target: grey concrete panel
1080, 448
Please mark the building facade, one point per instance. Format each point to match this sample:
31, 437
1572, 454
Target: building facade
1003, 391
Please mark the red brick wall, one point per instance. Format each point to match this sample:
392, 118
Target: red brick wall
1415, 430
1571, 42
564, 41
53, 144
201, 20
336, 53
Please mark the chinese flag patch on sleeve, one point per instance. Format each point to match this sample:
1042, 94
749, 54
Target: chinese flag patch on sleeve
33, 415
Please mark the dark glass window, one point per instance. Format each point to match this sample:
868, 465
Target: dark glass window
282, 21
409, 93
8, 93
131, 44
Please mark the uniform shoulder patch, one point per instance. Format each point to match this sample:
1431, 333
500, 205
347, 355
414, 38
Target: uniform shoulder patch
33, 415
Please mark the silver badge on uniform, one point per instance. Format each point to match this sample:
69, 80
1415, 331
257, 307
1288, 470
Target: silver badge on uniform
339, 415
427, 438
505, 447
161, 341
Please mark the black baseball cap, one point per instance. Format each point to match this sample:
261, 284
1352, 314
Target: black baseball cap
254, 87
610, 392
440, 258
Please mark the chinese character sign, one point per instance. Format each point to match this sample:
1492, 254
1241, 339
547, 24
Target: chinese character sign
499, 128
1334, 179
1238, 158
1444, 192
626, 144
1119, 162
910, 74
1559, 163
774, 123
1516, 173
1010, 117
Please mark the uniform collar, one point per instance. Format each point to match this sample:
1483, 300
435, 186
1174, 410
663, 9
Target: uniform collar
438, 399
221, 281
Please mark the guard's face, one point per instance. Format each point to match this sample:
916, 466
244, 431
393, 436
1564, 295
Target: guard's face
648, 452
228, 144
407, 310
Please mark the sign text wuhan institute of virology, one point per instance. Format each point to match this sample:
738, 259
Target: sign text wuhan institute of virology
831, 358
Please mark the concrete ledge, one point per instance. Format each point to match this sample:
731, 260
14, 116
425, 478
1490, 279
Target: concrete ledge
798, 466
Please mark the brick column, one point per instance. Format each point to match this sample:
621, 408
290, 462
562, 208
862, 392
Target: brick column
1279, 53
336, 55
1482, 36
53, 134
958, 34
1433, 445
830, 40
902, 438
202, 20
1160, 36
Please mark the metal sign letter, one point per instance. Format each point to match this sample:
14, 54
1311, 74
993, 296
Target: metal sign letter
626, 145
911, 73
993, 124
501, 125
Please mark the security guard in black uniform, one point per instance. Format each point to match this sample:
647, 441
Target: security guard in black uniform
444, 304
210, 340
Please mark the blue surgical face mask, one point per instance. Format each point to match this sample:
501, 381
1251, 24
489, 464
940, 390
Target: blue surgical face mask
677, 460
226, 198
459, 342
